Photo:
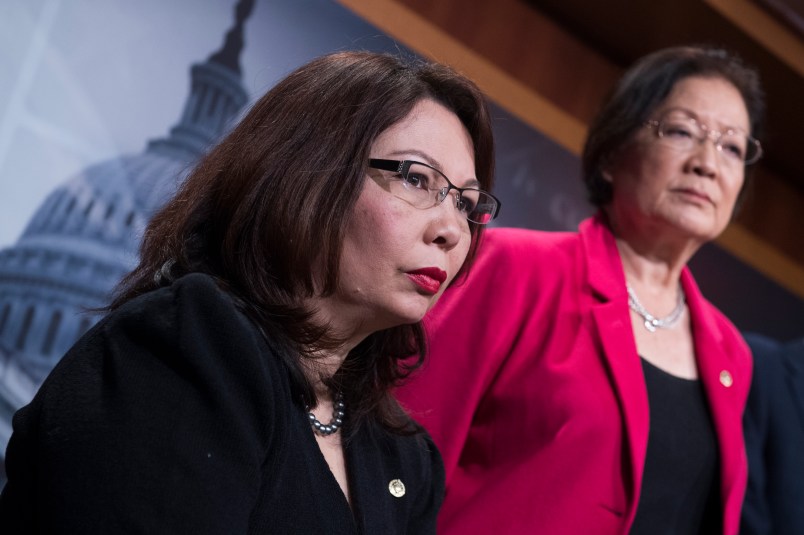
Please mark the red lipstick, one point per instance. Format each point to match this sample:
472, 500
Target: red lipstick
428, 279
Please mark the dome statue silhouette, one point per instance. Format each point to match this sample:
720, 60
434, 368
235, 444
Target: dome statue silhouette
85, 235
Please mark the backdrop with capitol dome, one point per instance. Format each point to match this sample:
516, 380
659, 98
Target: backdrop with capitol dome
104, 107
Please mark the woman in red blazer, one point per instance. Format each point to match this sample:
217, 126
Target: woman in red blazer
579, 382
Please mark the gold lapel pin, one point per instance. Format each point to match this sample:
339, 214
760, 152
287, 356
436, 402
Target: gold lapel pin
726, 379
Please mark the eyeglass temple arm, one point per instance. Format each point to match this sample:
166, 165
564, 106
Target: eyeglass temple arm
387, 165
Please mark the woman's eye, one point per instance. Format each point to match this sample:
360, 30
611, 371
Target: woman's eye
732, 149
416, 180
467, 204
677, 130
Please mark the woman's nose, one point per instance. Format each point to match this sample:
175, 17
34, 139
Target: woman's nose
450, 224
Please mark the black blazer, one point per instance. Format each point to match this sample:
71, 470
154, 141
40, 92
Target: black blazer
774, 435
174, 415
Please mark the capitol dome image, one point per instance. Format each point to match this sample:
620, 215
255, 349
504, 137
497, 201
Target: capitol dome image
85, 235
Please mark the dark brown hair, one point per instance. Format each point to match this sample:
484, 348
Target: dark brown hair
266, 208
644, 87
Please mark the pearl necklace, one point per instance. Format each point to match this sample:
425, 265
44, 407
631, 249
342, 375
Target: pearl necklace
337, 418
651, 321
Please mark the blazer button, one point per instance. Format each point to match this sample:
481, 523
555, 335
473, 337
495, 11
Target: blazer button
396, 488
726, 379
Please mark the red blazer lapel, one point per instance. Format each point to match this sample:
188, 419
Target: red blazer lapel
612, 322
724, 385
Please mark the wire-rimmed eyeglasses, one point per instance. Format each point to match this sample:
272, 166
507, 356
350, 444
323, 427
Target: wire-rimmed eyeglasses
424, 186
681, 130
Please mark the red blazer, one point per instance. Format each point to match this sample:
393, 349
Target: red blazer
535, 394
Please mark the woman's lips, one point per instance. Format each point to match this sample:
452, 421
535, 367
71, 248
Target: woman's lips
695, 194
428, 279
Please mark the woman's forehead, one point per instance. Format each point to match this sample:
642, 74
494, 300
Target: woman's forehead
712, 100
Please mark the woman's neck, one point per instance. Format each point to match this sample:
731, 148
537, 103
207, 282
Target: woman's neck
322, 365
652, 253
649, 267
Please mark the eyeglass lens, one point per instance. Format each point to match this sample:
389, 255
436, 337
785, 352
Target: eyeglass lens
425, 187
683, 131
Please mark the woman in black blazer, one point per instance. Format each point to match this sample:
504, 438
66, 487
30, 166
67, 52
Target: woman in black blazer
774, 436
241, 382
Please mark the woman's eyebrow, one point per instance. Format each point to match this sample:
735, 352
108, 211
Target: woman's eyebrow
426, 158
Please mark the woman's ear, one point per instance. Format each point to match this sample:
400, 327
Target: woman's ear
607, 166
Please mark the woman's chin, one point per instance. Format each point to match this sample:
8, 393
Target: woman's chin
697, 226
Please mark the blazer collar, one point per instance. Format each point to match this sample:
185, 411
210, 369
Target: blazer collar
721, 380
604, 268
606, 279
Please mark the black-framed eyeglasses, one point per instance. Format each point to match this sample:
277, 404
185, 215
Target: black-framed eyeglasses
424, 186
681, 130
